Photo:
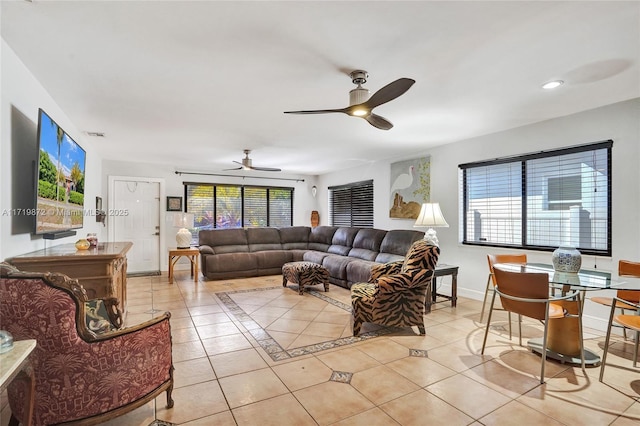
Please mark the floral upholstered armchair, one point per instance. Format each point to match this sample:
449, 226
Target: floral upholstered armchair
395, 294
87, 368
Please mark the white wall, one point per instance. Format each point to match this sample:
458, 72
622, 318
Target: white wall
21, 96
619, 122
303, 204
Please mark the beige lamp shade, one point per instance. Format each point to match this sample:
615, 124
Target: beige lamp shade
183, 221
431, 217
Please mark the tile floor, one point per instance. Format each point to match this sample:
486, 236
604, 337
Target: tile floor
225, 374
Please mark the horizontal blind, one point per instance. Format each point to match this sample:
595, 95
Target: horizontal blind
540, 200
228, 206
494, 204
567, 199
280, 207
255, 207
236, 206
352, 204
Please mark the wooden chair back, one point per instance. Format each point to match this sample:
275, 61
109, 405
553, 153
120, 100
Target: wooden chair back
526, 286
630, 269
493, 259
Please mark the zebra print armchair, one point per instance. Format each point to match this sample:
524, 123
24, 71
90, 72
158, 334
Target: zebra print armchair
396, 292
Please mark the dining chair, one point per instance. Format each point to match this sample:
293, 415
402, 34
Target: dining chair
527, 294
631, 322
627, 299
493, 259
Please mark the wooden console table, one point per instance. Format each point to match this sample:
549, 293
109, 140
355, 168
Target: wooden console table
102, 271
15, 365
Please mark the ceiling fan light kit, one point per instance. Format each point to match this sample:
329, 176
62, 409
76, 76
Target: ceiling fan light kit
361, 105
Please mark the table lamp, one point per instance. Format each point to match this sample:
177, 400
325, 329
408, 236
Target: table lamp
431, 217
183, 221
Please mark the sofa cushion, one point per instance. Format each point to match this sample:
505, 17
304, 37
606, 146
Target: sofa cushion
320, 237
369, 238
342, 241
314, 256
359, 271
388, 257
398, 241
273, 258
337, 266
295, 237
246, 262
261, 239
233, 240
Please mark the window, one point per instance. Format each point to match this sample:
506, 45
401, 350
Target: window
352, 204
540, 201
237, 206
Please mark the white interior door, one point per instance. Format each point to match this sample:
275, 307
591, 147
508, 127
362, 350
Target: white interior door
140, 199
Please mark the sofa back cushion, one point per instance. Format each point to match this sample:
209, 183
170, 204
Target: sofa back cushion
366, 244
396, 243
225, 240
261, 239
295, 237
342, 241
320, 237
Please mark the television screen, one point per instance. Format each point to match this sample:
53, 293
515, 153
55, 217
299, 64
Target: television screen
60, 183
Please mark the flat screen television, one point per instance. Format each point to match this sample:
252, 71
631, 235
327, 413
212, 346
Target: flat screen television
60, 181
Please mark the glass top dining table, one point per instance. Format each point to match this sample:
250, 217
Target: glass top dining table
585, 279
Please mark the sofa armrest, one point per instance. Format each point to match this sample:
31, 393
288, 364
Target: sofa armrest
204, 249
390, 268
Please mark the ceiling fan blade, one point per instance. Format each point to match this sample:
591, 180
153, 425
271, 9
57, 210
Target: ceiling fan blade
266, 169
389, 92
378, 121
318, 111
237, 168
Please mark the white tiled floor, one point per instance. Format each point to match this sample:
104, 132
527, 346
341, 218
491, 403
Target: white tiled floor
223, 375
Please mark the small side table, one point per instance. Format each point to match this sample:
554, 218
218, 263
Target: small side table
15, 365
191, 254
442, 270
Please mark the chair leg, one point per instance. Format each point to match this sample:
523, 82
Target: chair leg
606, 342
510, 331
486, 330
13, 421
421, 329
544, 347
581, 333
484, 301
520, 329
635, 351
544, 343
169, 397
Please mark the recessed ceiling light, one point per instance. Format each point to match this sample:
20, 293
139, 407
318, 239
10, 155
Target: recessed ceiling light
552, 84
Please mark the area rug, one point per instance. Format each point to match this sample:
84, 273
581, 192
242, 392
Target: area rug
273, 348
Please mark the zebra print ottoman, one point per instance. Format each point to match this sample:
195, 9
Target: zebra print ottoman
304, 274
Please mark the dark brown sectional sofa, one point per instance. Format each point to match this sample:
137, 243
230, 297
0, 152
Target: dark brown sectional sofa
346, 252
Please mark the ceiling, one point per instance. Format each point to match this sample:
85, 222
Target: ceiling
192, 84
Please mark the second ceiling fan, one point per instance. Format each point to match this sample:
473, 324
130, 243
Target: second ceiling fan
247, 164
361, 105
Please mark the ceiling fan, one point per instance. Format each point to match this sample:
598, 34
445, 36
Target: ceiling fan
247, 164
361, 105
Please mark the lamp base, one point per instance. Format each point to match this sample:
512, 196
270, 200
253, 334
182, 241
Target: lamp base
183, 238
431, 237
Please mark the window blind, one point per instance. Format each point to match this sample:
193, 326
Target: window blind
236, 206
540, 201
352, 204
